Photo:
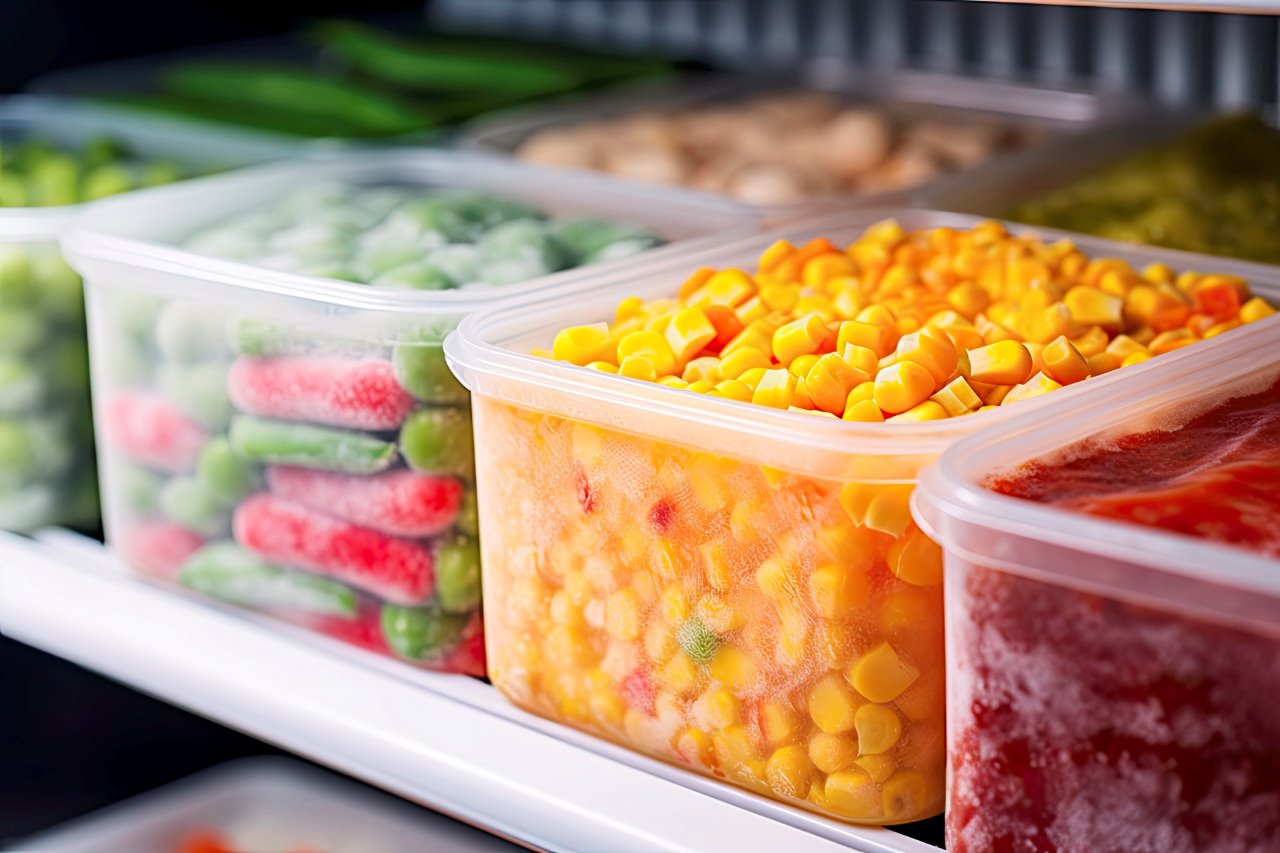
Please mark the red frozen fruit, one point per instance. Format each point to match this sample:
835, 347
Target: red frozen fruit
364, 631
638, 691
586, 497
467, 657
148, 430
400, 502
353, 393
289, 534
661, 516
157, 549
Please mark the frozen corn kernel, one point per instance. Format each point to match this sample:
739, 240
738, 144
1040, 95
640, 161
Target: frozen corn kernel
582, 345
915, 558
790, 771
688, 333
798, 337
865, 411
650, 346
1033, 387
1255, 309
733, 667
929, 410
741, 360
852, 792
832, 753
879, 767
904, 795
1000, 363
830, 381
1092, 307
957, 398
1063, 362
1135, 358
776, 389
832, 705
901, 386
878, 729
879, 339
638, 367
880, 675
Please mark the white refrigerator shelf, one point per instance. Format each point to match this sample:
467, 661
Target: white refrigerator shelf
449, 742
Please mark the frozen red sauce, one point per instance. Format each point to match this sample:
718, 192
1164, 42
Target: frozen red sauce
1080, 722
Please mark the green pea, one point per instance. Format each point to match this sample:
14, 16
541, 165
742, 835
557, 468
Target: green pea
417, 275
199, 391
697, 640
438, 440
420, 634
458, 575
137, 487
468, 521
226, 476
421, 370
188, 502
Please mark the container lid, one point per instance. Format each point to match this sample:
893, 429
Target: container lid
490, 355
1111, 558
71, 123
142, 228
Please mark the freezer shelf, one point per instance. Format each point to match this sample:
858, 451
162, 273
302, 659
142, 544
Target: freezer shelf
449, 742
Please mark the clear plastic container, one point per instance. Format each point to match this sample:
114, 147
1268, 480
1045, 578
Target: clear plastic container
703, 580
46, 437
296, 444
1110, 686
1045, 114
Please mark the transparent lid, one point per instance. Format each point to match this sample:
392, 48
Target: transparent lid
1107, 557
489, 353
71, 123
141, 229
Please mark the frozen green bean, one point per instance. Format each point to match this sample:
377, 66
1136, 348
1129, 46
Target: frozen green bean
263, 440
225, 571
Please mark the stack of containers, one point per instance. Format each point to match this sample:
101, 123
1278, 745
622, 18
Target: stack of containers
294, 443
1113, 686
732, 588
47, 471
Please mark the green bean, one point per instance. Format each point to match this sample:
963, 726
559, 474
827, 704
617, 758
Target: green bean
262, 440
225, 571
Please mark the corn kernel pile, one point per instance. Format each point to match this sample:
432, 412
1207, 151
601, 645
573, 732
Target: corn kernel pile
910, 326
784, 631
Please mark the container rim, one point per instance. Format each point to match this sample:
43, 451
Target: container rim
950, 491
478, 348
94, 237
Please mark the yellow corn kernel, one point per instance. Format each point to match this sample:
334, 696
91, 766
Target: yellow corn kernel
673, 382
901, 386
706, 367
929, 410
776, 389
1063, 362
1135, 358
774, 255
1123, 345
741, 360
789, 771
1090, 306
925, 349
887, 233
1171, 340
878, 729
733, 667
723, 708
880, 675
649, 345
1000, 363
957, 397
889, 508
638, 367
567, 648
915, 558
658, 324
748, 312
632, 306
832, 705
603, 366
992, 332
798, 337
729, 287
688, 333
694, 283
801, 364
1103, 362
660, 642
853, 793
702, 386
879, 767
879, 339
1158, 273
1092, 342
864, 411
1158, 306
860, 358
733, 748
694, 746
680, 676
818, 271
832, 753
622, 615
778, 721
1255, 309
829, 382
771, 577
751, 377
904, 795
925, 698
732, 389
779, 297
969, 300
675, 607
837, 589
1218, 328
1033, 387
582, 345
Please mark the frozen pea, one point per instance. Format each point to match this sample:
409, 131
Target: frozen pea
420, 634
20, 387
17, 285
490, 210
263, 440
468, 520
199, 392
621, 249
458, 575
106, 180
226, 476
461, 262
137, 487
189, 332
526, 240
22, 330
586, 238
697, 641
438, 440
61, 297
421, 370
313, 197
437, 213
417, 275
225, 571
186, 501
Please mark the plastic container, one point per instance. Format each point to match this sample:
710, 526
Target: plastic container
46, 465
614, 512
1049, 113
284, 408
1110, 686
267, 805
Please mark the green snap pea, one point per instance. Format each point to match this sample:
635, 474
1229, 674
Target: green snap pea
199, 392
458, 575
420, 634
226, 476
263, 440
188, 502
438, 440
421, 370
225, 571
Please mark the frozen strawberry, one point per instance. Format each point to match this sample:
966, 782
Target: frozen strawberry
400, 502
150, 431
157, 549
359, 394
291, 535
364, 631
638, 691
